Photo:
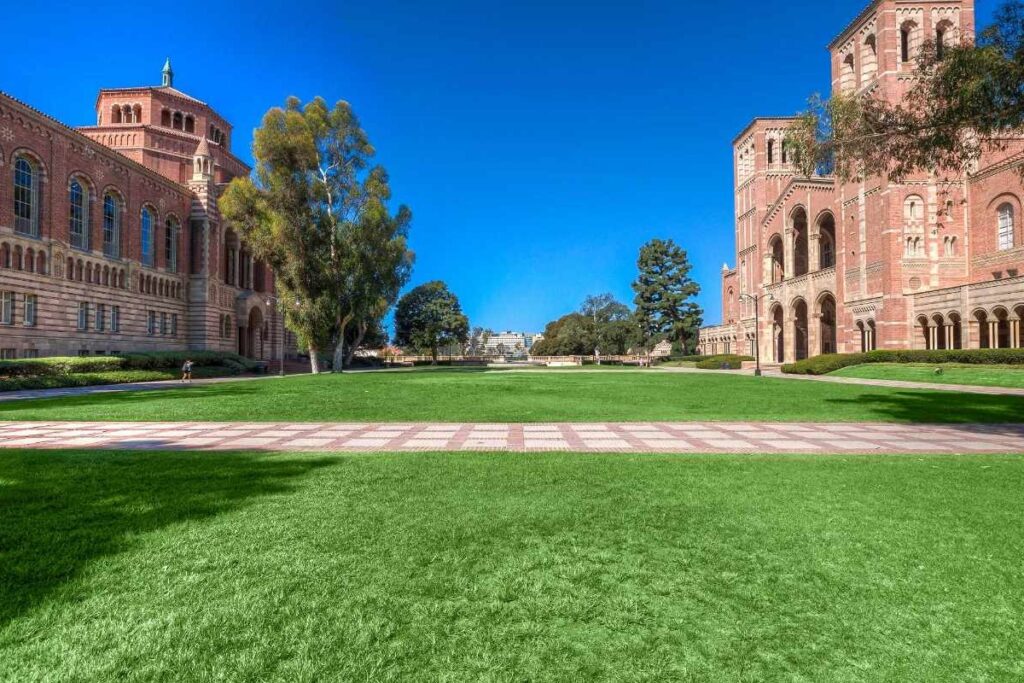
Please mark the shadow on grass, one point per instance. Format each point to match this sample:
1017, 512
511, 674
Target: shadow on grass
9, 410
937, 407
61, 510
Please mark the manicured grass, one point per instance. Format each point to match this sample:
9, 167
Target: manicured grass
511, 396
292, 567
978, 375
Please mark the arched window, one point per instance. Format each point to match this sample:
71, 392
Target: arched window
165, 118
943, 37
1005, 239
137, 113
171, 244
111, 226
913, 208
868, 60
771, 152
26, 197
147, 237
177, 121
190, 124
847, 74
826, 242
115, 114
78, 218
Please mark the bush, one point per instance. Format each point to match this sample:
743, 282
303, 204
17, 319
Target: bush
722, 362
822, 365
85, 379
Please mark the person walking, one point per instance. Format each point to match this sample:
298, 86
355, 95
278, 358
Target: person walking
186, 371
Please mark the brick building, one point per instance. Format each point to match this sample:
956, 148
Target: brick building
110, 239
845, 267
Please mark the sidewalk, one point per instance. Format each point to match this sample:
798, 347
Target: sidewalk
700, 437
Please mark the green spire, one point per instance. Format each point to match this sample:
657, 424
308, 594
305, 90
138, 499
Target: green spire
168, 74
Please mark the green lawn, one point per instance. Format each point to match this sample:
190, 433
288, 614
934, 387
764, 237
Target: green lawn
978, 375
537, 396
240, 566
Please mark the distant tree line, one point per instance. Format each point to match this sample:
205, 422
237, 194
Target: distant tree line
664, 309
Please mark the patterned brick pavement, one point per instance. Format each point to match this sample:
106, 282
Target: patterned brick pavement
660, 437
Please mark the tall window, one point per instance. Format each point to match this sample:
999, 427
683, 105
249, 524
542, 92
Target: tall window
111, 226
26, 197
115, 318
83, 315
163, 323
101, 317
174, 324
7, 308
147, 237
1005, 227
31, 310
905, 44
78, 226
771, 152
151, 322
940, 42
171, 245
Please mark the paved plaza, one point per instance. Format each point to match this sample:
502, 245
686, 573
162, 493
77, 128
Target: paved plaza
704, 437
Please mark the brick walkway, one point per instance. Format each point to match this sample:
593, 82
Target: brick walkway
698, 437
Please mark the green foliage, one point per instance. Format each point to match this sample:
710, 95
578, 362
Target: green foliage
316, 212
824, 364
429, 317
59, 371
726, 361
602, 324
664, 294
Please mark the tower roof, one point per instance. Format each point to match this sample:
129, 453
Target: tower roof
168, 74
203, 148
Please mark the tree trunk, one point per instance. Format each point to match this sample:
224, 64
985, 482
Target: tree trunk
339, 350
433, 355
355, 345
314, 361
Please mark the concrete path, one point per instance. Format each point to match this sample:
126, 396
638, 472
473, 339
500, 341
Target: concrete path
697, 437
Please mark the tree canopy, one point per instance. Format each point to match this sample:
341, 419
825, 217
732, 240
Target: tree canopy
429, 317
664, 294
602, 324
316, 212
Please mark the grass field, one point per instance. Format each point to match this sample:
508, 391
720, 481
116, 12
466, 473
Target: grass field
240, 566
513, 396
980, 375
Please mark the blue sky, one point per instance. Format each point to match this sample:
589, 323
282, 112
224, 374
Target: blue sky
539, 143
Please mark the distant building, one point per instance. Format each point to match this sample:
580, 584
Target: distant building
506, 344
662, 349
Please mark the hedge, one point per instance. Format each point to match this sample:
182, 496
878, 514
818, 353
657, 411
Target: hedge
824, 364
167, 360
84, 379
726, 361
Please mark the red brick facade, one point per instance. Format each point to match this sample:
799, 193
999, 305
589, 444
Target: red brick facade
110, 239
926, 263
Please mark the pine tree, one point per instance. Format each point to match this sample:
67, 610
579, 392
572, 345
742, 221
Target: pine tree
664, 294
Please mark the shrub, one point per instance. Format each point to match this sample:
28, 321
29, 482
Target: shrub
60, 369
822, 365
722, 362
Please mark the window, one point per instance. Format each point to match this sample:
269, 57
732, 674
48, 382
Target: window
177, 120
101, 317
26, 197
83, 316
940, 41
115, 318
171, 245
111, 226
151, 322
1005, 227
905, 44
8, 354
78, 226
174, 324
82, 353
771, 152
30, 353
147, 237
31, 310
7, 308
163, 323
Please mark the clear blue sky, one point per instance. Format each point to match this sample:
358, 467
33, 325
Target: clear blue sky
539, 143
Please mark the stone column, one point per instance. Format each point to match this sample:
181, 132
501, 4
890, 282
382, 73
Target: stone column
1015, 334
949, 336
993, 335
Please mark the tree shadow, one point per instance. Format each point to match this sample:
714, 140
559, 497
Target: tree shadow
61, 510
939, 407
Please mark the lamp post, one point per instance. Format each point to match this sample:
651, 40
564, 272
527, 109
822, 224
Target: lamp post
757, 327
270, 301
